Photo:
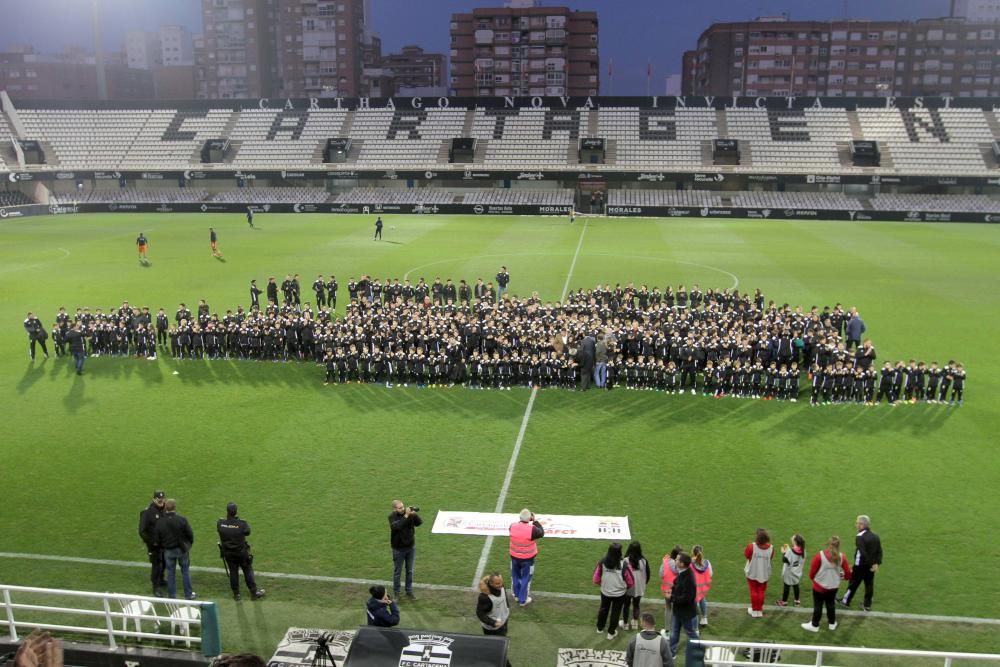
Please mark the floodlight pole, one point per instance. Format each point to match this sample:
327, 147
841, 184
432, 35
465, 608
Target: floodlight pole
95, 19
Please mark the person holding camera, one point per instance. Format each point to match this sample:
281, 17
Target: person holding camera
403, 521
235, 551
523, 549
382, 609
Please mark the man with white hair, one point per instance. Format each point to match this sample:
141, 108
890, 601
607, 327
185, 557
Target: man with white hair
867, 559
523, 549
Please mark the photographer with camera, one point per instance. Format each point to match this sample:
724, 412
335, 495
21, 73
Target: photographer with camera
235, 551
382, 609
402, 522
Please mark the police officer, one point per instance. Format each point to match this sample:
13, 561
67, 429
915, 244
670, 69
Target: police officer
235, 551
147, 525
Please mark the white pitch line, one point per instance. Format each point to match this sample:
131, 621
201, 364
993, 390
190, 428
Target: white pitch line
481, 566
463, 589
569, 276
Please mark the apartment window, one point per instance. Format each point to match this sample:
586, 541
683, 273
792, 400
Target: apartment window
740, 37
950, 36
972, 34
855, 36
987, 34
984, 65
738, 51
871, 51
889, 35
936, 34
874, 36
30, 73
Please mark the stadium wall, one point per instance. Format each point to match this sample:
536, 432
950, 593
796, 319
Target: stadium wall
11, 212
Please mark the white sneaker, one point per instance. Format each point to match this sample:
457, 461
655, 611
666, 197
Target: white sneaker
758, 614
611, 636
810, 627
600, 631
703, 621
752, 613
526, 602
622, 624
832, 626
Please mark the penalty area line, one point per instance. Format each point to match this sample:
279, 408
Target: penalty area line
142, 565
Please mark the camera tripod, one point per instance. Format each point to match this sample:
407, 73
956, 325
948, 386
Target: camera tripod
322, 657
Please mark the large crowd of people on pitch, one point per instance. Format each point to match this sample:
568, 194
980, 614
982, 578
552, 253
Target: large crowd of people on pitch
717, 342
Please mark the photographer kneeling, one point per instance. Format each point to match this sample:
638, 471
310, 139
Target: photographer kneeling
382, 609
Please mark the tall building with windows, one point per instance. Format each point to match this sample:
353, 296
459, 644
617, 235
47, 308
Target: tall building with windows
288, 48
524, 49
976, 10
238, 57
845, 59
321, 47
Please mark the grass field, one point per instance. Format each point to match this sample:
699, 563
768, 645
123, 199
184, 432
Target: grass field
314, 468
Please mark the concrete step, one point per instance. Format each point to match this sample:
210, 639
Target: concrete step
852, 120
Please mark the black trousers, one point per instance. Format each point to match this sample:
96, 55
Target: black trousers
237, 562
827, 599
156, 575
862, 573
614, 606
38, 341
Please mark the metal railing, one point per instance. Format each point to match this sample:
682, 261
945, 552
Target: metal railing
724, 653
117, 616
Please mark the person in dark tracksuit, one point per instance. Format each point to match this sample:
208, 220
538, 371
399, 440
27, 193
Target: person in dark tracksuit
147, 525
36, 335
378, 228
255, 293
233, 548
250, 217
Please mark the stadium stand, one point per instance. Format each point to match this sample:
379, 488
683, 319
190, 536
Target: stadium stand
930, 141
5, 135
810, 200
14, 198
510, 197
395, 196
685, 198
528, 138
132, 196
925, 202
81, 138
271, 139
290, 195
651, 139
802, 141
396, 138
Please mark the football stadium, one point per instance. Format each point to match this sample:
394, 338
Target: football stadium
703, 367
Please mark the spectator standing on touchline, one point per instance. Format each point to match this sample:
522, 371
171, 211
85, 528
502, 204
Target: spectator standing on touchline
523, 549
403, 521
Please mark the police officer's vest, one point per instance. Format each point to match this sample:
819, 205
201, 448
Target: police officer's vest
521, 544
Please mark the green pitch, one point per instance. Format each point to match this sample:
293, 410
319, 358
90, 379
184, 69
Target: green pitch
314, 469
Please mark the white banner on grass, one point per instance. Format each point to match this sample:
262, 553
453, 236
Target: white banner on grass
555, 525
